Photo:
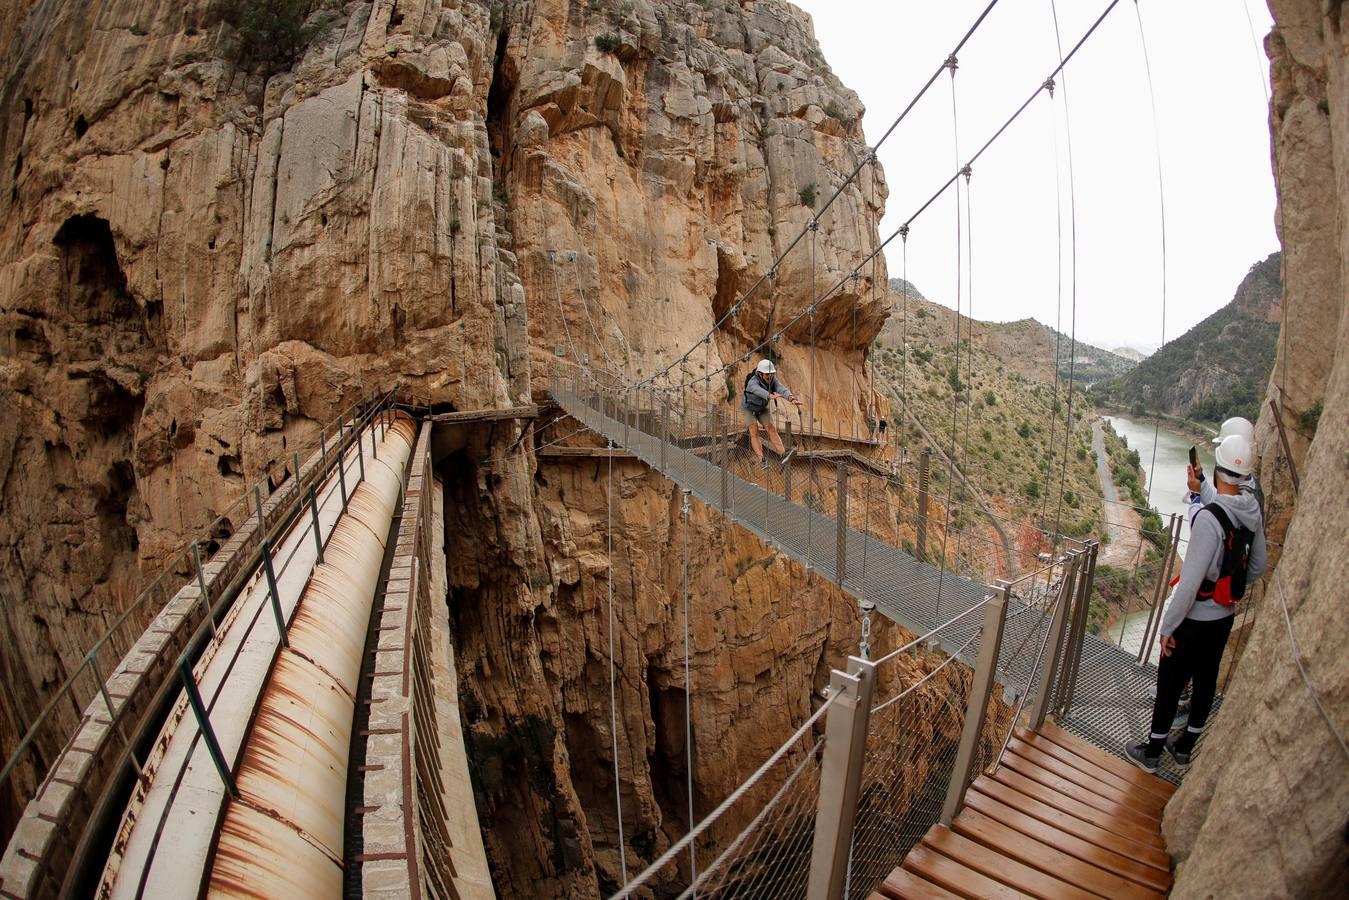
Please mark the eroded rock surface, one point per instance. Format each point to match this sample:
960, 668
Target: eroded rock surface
202, 262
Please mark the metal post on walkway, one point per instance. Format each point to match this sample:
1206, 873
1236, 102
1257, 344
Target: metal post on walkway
257, 500
664, 431
342, 479
314, 520
272, 591
204, 725
1159, 591
374, 442
1068, 684
1049, 664
323, 449
841, 533
990, 643
295, 460
360, 460
725, 454
787, 479
845, 739
924, 461
201, 586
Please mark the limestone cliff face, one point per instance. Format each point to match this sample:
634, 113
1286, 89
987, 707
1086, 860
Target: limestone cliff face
1262, 812
201, 262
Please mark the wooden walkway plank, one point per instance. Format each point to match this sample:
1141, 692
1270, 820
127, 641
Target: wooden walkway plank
1083, 781
1140, 872
905, 885
1029, 851
1105, 760
1116, 819
1089, 765
1099, 835
957, 877
998, 866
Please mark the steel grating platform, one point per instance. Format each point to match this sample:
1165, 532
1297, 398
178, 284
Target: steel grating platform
1112, 702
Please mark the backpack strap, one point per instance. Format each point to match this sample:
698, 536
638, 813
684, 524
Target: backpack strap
1206, 587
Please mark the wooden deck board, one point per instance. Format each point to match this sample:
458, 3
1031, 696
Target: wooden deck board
1072, 742
1047, 858
1070, 843
1090, 765
957, 877
1124, 822
1014, 766
1055, 766
1099, 835
981, 858
905, 885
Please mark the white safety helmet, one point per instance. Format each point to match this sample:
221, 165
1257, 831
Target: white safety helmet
766, 367
1236, 425
1236, 455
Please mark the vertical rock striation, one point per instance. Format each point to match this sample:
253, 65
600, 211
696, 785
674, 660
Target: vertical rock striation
1262, 811
204, 259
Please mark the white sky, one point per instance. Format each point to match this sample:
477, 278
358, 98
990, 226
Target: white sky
1219, 192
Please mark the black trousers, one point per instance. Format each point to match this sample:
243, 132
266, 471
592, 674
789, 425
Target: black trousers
1196, 657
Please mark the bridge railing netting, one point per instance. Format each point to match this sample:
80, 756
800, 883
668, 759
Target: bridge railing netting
987, 656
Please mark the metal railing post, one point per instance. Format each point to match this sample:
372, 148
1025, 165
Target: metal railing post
1159, 593
201, 587
724, 451
314, 516
257, 499
845, 740
295, 461
323, 448
204, 726
1049, 666
787, 481
990, 643
1078, 639
272, 591
342, 479
360, 459
841, 533
921, 538
664, 431
374, 441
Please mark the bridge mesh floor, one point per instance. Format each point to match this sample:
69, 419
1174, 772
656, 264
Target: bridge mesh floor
1112, 702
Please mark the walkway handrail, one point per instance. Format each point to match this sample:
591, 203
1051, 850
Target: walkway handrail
136, 688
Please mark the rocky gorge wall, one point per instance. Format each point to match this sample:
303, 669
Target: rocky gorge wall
204, 259
1262, 812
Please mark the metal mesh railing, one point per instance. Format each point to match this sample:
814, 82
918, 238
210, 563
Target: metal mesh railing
207, 563
771, 857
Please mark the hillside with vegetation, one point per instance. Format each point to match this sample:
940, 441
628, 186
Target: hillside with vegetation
1005, 408
1218, 368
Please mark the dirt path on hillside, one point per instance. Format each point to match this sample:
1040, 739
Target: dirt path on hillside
1122, 523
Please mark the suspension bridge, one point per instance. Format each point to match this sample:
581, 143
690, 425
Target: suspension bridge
277, 712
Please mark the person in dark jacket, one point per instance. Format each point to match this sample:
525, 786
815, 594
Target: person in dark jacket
760, 387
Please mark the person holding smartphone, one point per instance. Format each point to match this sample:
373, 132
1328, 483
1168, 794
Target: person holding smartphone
1202, 491
1226, 552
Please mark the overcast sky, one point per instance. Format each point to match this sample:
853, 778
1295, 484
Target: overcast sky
1210, 83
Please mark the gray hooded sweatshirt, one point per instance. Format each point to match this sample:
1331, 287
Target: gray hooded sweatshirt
757, 394
1204, 556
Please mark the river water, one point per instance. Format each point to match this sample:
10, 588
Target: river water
1168, 492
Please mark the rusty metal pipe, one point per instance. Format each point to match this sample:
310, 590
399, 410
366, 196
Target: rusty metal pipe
283, 835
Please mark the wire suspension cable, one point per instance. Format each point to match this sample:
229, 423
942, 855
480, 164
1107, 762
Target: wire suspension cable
613, 695
1072, 219
1161, 210
1058, 291
688, 693
955, 393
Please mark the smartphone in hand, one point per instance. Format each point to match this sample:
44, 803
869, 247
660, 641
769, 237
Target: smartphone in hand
1194, 456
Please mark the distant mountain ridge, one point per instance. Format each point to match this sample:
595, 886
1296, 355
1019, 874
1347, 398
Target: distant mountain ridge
1026, 346
1219, 367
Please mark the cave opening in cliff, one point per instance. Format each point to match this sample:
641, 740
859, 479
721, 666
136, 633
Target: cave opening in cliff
95, 285
500, 97
667, 758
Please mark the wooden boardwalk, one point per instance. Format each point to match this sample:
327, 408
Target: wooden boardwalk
1057, 818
